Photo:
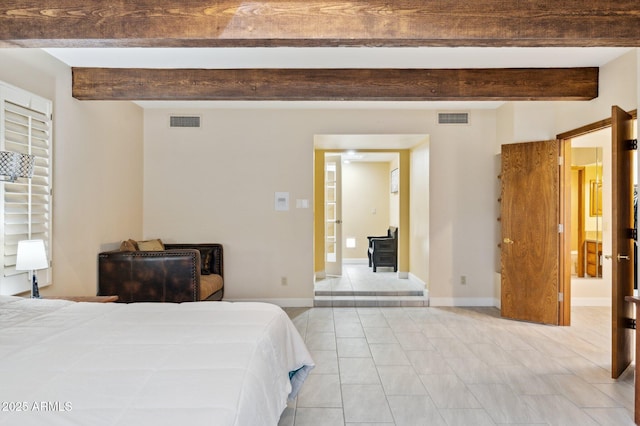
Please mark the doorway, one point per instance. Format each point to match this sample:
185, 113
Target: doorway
591, 218
358, 203
409, 211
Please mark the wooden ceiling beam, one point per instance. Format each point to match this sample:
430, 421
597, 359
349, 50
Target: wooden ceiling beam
515, 84
207, 23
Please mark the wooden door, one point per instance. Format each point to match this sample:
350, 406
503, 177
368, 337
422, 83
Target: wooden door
622, 258
530, 217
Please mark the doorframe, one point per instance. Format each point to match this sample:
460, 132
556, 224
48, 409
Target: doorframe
319, 215
580, 269
565, 211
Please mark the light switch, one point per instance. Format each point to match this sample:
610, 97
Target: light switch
282, 201
302, 204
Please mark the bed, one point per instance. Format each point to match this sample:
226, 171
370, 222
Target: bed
199, 363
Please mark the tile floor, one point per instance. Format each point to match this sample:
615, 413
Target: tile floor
360, 286
456, 366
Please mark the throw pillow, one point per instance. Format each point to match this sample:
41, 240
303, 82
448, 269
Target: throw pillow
151, 245
128, 245
205, 260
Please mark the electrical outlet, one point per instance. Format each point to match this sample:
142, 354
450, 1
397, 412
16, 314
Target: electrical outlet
283, 281
463, 279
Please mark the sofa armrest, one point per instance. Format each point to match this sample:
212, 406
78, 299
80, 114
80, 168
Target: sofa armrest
150, 276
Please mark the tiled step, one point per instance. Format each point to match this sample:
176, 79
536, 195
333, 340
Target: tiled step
369, 293
370, 301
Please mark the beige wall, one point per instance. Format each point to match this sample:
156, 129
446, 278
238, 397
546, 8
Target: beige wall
419, 259
97, 169
224, 176
530, 121
365, 204
218, 183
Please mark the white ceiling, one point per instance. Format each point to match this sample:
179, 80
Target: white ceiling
338, 57
360, 146
342, 57
335, 57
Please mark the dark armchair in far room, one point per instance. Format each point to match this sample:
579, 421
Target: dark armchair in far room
383, 250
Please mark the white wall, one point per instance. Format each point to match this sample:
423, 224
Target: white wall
97, 170
217, 183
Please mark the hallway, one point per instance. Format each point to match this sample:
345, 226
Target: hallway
360, 286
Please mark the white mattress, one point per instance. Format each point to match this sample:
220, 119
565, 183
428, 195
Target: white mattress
201, 363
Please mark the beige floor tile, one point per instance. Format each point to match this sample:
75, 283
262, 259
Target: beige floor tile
319, 417
400, 380
365, 403
611, 416
320, 391
415, 410
428, 362
388, 354
580, 392
358, 371
558, 410
503, 405
455, 366
326, 362
448, 391
524, 382
353, 348
321, 341
414, 341
349, 329
466, 417
379, 335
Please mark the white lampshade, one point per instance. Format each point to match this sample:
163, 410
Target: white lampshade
31, 255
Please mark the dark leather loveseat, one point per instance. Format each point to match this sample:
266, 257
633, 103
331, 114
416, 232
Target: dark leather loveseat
179, 273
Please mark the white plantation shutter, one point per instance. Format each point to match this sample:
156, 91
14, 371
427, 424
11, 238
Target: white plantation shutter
25, 127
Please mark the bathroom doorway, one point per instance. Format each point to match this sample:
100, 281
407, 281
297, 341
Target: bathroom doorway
591, 218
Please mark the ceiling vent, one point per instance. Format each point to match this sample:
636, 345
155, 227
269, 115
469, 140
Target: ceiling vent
184, 121
453, 118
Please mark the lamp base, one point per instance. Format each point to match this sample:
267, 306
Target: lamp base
35, 293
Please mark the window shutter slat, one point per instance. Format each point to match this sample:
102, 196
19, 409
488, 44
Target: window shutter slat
25, 127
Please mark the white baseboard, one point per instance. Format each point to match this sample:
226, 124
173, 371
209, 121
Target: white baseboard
463, 301
320, 275
356, 261
283, 303
590, 301
411, 277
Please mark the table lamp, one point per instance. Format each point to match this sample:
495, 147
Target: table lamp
31, 257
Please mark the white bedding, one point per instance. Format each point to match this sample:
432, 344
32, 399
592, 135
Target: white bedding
200, 363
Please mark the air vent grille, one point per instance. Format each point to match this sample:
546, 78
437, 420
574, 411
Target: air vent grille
453, 118
184, 121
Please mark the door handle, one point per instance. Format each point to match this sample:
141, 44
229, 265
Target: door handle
507, 241
620, 257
